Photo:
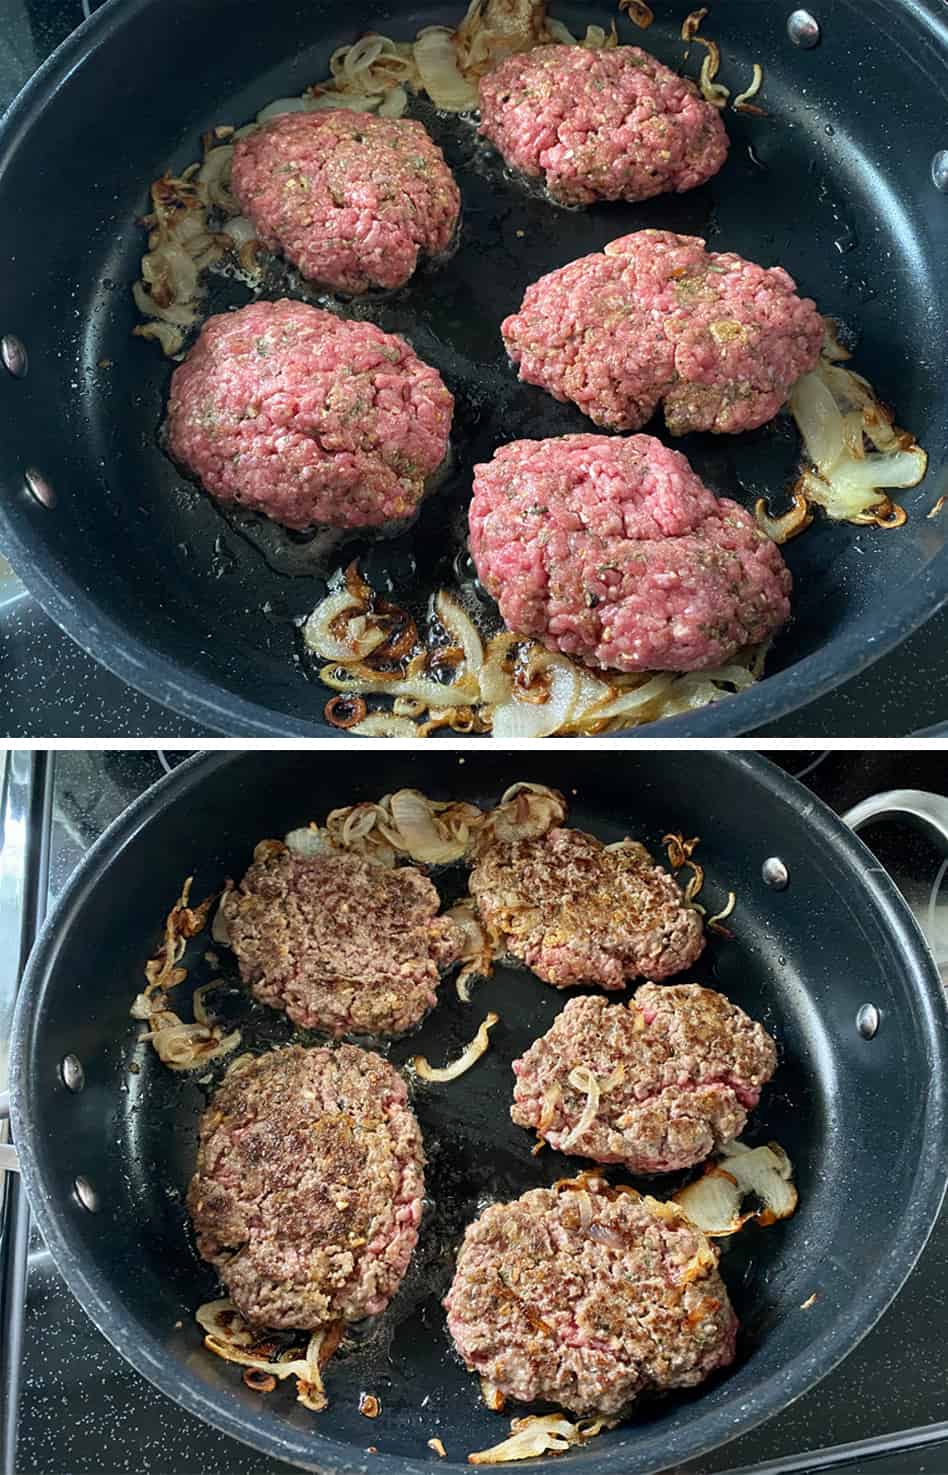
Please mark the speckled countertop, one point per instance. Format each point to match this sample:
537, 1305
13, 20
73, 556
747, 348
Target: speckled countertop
84, 1411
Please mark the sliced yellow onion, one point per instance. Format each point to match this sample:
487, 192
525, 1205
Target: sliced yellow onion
394, 102
437, 62
417, 831
477, 955
214, 175
714, 1202
515, 720
433, 693
744, 97
229, 1337
360, 639
380, 724
581, 1078
469, 1056
308, 841
835, 410
462, 630
540, 1434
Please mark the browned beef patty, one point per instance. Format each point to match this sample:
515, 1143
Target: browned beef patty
308, 1188
588, 1296
343, 944
678, 1069
577, 911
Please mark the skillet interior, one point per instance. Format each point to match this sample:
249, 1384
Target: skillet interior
143, 570
863, 1122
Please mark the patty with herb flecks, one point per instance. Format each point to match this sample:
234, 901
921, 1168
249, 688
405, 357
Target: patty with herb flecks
589, 1296
352, 200
345, 945
307, 1192
673, 1075
577, 911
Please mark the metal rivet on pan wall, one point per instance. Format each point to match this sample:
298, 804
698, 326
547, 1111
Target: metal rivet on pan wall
775, 873
803, 29
74, 1077
867, 1021
13, 354
86, 1195
940, 171
39, 487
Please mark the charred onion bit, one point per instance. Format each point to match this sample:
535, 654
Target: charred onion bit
638, 12
344, 712
179, 1045
679, 849
270, 1355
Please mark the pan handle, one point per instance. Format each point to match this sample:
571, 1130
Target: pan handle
930, 810
9, 1161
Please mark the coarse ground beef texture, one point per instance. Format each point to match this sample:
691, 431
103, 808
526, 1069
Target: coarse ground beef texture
308, 1189
601, 125
655, 317
577, 911
588, 1297
613, 551
343, 944
310, 419
678, 1070
350, 199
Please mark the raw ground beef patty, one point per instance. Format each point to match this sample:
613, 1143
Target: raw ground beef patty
350, 199
343, 944
588, 1296
308, 1189
577, 912
657, 317
613, 551
310, 419
601, 125
678, 1069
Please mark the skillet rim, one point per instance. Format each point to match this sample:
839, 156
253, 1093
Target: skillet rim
226, 1411
202, 701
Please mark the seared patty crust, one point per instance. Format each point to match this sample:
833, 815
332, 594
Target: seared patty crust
601, 124
307, 1194
613, 551
657, 318
588, 1296
307, 418
343, 944
350, 199
678, 1067
577, 911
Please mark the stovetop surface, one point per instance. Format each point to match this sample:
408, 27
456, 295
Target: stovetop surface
50, 688
83, 1409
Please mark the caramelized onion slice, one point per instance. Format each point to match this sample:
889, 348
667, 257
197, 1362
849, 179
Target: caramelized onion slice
715, 1201
469, 1056
540, 1434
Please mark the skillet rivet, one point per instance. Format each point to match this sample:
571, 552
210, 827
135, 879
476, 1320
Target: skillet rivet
775, 873
86, 1195
867, 1021
39, 487
940, 171
13, 354
74, 1077
803, 29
